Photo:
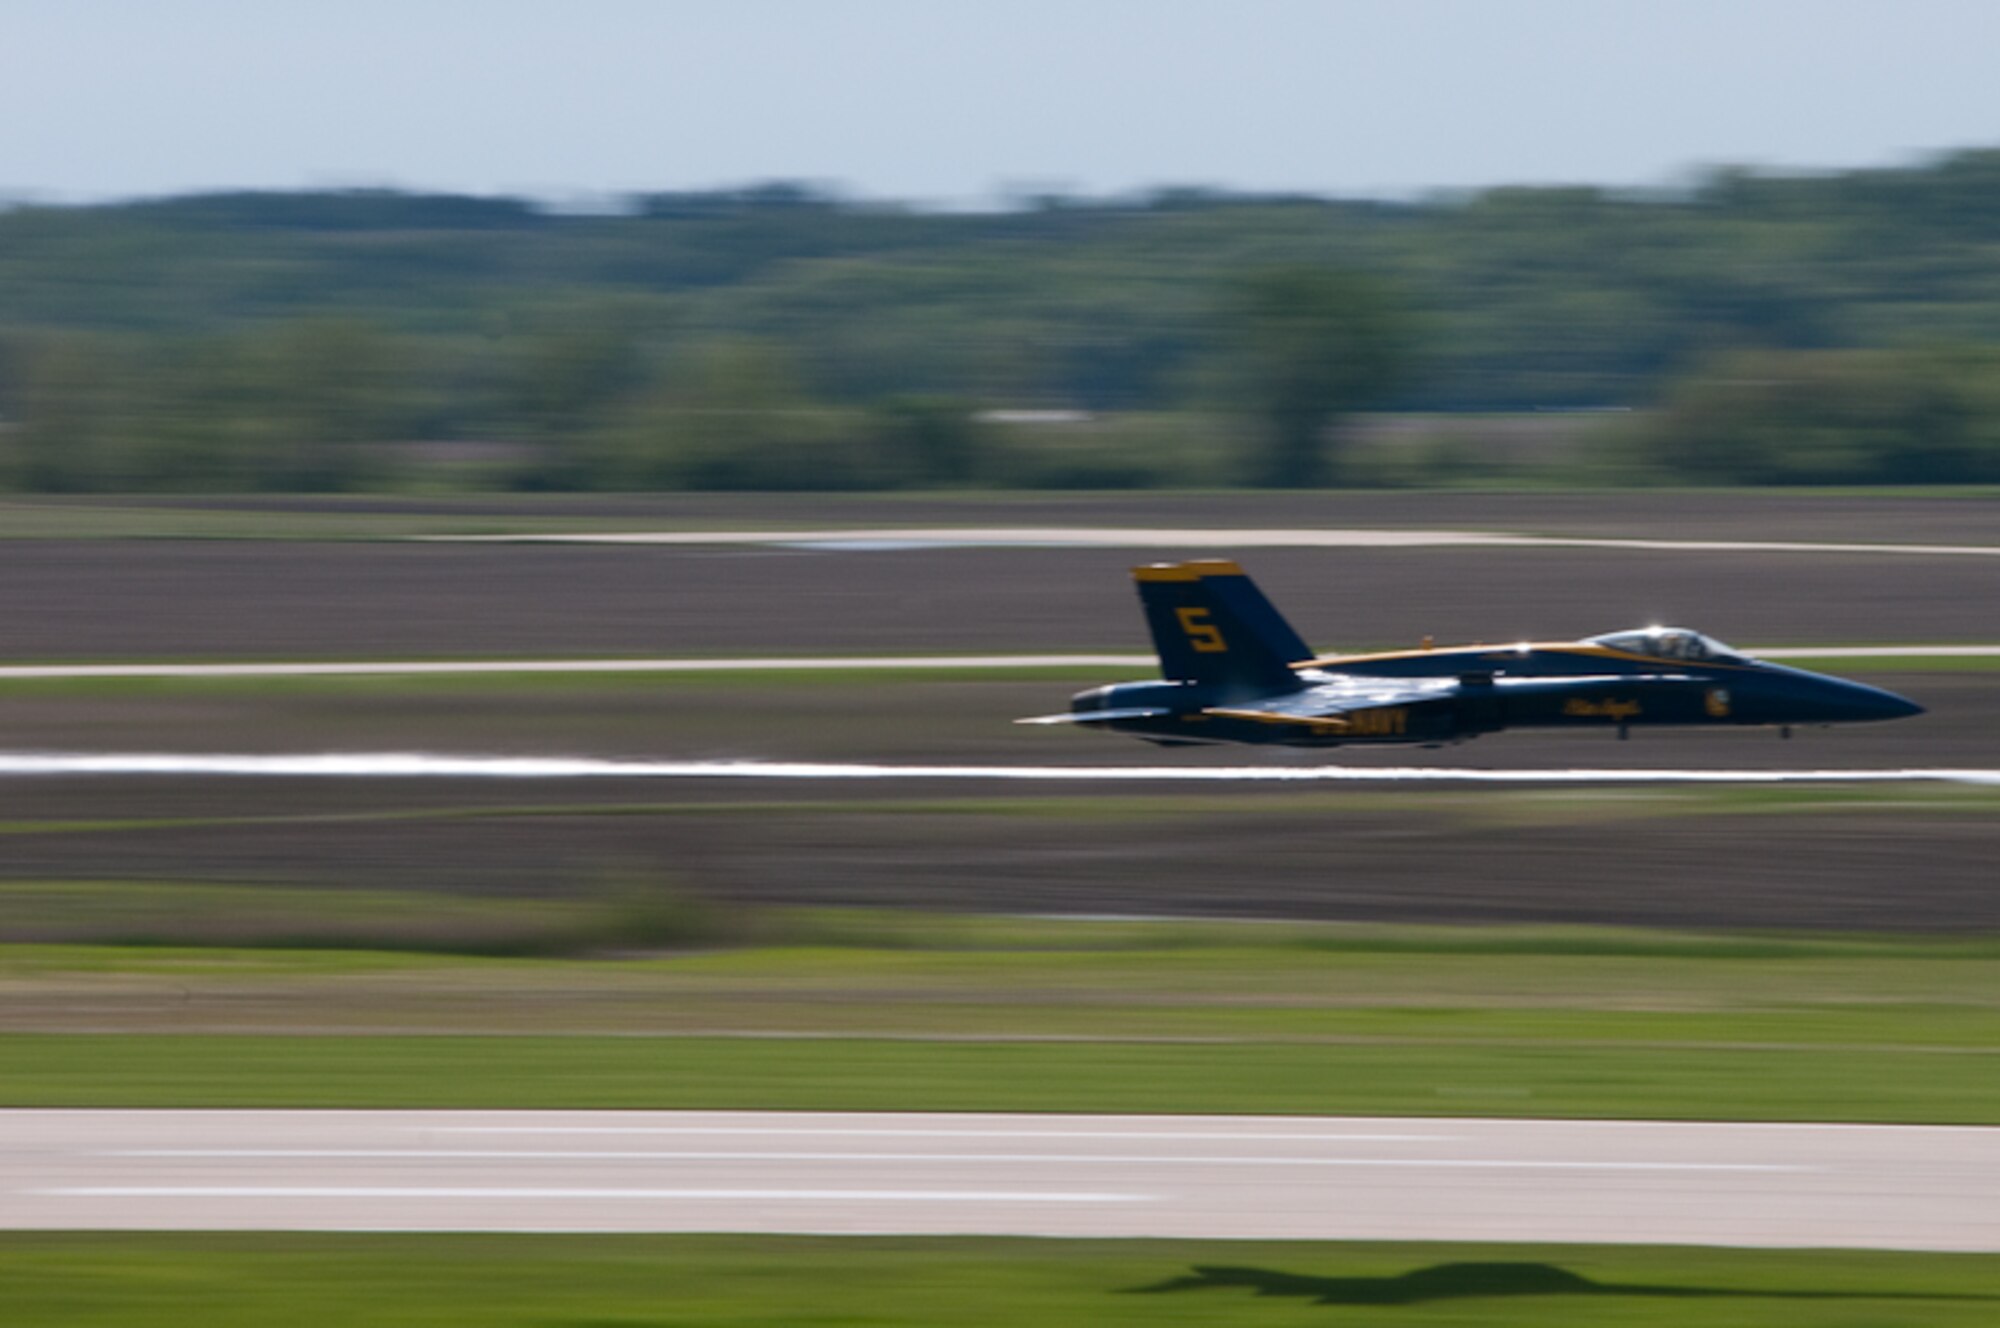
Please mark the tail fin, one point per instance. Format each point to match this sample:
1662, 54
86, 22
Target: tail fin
1212, 625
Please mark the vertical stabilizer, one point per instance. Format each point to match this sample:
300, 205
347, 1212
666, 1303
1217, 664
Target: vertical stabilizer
1211, 625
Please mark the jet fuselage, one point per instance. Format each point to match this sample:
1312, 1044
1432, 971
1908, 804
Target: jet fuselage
1233, 670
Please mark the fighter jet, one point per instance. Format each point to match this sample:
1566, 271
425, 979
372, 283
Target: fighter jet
1233, 670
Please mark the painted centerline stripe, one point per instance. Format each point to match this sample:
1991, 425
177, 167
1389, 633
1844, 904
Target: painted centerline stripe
809, 1132
422, 765
512, 1192
1100, 1159
919, 539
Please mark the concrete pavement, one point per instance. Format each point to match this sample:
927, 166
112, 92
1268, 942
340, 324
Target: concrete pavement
1184, 1176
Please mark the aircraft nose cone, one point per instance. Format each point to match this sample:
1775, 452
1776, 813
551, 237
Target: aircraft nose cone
1899, 707
1865, 703
1798, 697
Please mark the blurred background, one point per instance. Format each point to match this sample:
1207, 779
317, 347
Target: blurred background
1123, 248
1748, 327
322, 328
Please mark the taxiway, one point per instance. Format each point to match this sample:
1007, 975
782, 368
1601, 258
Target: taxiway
1895, 1187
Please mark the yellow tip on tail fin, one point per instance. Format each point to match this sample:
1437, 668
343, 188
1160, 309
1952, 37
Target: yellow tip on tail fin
1165, 572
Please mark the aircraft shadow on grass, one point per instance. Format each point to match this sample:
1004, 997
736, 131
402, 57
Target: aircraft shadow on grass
1475, 1281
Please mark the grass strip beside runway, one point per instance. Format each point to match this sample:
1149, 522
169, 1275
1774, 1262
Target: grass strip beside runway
883, 1009
1898, 514
1431, 1077
237, 1280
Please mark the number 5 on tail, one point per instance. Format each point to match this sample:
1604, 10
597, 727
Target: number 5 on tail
1202, 634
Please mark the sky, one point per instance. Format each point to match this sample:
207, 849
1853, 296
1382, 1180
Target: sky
967, 103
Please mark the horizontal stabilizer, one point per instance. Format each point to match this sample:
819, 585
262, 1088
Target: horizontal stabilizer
1097, 716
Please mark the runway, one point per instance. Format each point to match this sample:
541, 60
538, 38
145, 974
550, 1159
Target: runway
434, 765
1890, 1187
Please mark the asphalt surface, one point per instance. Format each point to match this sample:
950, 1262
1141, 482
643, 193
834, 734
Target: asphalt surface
1883, 1187
153, 601
1412, 850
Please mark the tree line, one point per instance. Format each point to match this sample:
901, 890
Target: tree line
1766, 329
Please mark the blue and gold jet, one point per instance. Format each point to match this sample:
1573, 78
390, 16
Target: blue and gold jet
1233, 670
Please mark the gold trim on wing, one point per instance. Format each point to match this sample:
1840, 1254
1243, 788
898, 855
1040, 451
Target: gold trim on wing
1500, 653
1321, 723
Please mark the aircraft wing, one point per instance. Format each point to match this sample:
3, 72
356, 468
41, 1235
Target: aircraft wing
1366, 706
1339, 706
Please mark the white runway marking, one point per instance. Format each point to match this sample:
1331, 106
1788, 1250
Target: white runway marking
519, 1192
773, 664
424, 765
918, 539
818, 1132
1100, 1159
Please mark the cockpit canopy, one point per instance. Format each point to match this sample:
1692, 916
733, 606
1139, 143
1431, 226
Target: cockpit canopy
1666, 643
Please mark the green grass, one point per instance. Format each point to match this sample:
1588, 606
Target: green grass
835, 1009
634, 914
23, 518
958, 1016
393, 516
237, 1280
1882, 666
1428, 1077
612, 914
1522, 806
402, 515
